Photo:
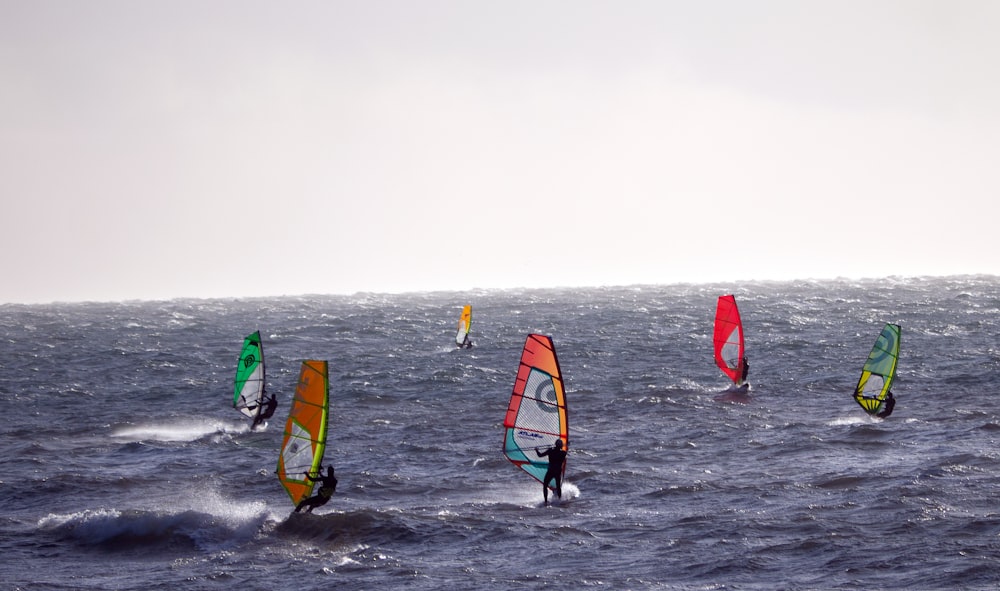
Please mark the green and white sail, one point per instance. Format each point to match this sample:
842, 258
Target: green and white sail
249, 384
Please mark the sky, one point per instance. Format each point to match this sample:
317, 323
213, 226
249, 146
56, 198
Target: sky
242, 148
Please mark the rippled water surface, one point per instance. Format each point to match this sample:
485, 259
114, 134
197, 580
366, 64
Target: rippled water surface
127, 468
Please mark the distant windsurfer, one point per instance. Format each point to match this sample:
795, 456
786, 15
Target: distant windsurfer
557, 457
746, 371
270, 403
328, 485
890, 404
466, 342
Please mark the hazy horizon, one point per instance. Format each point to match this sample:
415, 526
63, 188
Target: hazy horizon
469, 294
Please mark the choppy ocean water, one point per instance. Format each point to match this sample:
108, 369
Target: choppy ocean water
125, 466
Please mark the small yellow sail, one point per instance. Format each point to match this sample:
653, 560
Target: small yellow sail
464, 327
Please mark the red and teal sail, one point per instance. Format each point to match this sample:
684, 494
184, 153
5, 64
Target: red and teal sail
537, 414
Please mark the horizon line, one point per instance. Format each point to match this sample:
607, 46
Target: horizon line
406, 292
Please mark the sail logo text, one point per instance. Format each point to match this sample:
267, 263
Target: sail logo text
531, 434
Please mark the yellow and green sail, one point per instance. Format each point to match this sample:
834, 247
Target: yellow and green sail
304, 440
879, 371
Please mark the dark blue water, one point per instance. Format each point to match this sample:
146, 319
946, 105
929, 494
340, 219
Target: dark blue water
127, 468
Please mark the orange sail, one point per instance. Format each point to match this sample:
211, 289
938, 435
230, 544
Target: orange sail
305, 432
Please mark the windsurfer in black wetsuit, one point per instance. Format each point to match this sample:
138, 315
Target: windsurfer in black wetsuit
270, 403
890, 404
746, 370
557, 457
328, 485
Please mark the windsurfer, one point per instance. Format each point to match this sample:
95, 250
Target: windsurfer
890, 404
746, 370
328, 485
557, 457
466, 342
269, 404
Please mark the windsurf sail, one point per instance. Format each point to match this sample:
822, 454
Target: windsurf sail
879, 371
536, 415
249, 383
728, 339
304, 441
464, 327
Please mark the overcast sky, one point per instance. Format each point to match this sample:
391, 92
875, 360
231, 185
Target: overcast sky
157, 149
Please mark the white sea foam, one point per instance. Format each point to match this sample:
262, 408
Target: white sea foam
189, 430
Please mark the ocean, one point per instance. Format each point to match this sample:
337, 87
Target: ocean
126, 467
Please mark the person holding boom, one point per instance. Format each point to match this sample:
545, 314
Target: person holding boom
328, 485
557, 457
